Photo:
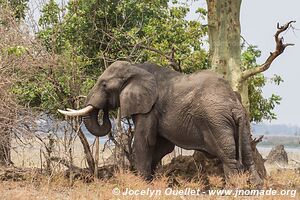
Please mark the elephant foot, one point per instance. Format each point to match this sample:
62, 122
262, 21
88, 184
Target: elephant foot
147, 177
255, 180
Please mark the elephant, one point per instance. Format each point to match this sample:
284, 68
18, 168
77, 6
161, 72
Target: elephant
199, 111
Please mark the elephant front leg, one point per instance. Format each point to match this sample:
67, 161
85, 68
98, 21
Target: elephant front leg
143, 155
144, 143
162, 148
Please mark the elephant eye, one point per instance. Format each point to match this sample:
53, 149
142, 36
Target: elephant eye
103, 83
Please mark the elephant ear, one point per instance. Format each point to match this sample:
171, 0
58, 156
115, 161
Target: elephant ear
139, 94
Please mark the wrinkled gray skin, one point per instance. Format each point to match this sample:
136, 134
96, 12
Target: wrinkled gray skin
196, 112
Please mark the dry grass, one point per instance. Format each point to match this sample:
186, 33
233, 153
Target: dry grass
57, 187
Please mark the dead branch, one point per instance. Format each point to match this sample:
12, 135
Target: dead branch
280, 47
14, 116
96, 157
255, 141
171, 58
87, 151
65, 162
281, 166
296, 161
127, 153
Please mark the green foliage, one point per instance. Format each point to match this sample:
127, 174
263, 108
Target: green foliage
186, 37
51, 13
260, 107
50, 24
106, 31
19, 7
16, 50
88, 35
55, 87
32, 94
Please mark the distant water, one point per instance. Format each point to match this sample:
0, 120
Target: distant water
290, 142
262, 148
91, 138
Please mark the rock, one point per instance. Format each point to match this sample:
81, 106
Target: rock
277, 155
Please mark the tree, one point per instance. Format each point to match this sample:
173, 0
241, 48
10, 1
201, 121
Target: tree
18, 7
225, 46
128, 30
225, 50
86, 36
11, 12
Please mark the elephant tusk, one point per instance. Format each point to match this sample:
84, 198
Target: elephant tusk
74, 113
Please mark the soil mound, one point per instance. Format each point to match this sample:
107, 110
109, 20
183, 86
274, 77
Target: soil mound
277, 155
195, 167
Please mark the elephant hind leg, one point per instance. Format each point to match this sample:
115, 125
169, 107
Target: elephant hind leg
232, 167
246, 150
162, 148
221, 138
248, 161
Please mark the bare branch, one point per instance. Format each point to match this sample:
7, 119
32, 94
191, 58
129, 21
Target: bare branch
280, 47
173, 63
64, 162
296, 161
258, 140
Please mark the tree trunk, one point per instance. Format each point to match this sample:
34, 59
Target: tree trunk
5, 157
225, 52
123, 153
97, 150
6, 124
224, 39
87, 152
86, 147
122, 141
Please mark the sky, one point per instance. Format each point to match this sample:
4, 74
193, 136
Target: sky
258, 25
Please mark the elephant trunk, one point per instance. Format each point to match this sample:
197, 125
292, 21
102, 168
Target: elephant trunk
92, 124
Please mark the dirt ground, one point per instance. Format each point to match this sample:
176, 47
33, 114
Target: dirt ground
56, 186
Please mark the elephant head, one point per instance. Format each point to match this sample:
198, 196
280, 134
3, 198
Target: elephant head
123, 85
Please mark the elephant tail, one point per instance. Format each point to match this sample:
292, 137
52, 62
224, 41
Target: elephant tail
241, 131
